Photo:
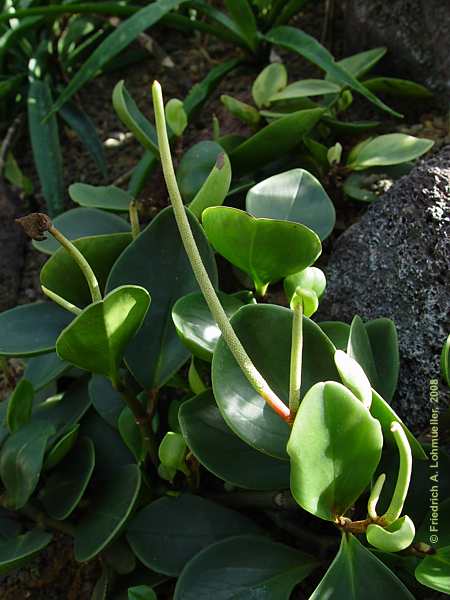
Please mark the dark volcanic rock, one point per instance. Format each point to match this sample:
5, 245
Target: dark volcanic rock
12, 242
414, 31
395, 263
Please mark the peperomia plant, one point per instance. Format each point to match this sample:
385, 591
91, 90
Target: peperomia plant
110, 439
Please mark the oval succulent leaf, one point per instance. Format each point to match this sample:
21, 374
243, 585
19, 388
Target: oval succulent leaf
266, 249
216, 187
270, 81
176, 116
16, 551
395, 537
96, 340
305, 88
353, 377
195, 167
311, 278
105, 197
434, 571
390, 149
20, 405
335, 430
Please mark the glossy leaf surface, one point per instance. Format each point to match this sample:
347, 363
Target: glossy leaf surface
105, 197
390, 149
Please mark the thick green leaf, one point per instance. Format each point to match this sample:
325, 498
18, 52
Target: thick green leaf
434, 571
31, 329
397, 87
82, 222
384, 345
109, 510
97, 338
61, 448
266, 249
353, 377
305, 88
224, 454
20, 405
310, 279
195, 324
359, 64
195, 168
269, 82
16, 551
244, 567
157, 261
62, 275
360, 349
117, 41
141, 592
265, 331
21, 461
338, 332
107, 401
66, 485
42, 370
242, 14
216, 187
131, 434
395, 537
274, 141
176, 116
445, 361
244, 112
45, 144
389, 149
304, 44
350, 573
335, 447
294, 195
167, 533
107, 197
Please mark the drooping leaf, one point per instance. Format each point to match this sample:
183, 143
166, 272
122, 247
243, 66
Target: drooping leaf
103, 197
294, 195
216, 187
107, 401
16, 551
20, 405
335, 447
97, 338
389, 149
269, 82
109, 510
246, 567
223, 453
156, 352
195, 168
82, 222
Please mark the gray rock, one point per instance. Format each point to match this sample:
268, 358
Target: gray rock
414, 31
395, 262
12, 244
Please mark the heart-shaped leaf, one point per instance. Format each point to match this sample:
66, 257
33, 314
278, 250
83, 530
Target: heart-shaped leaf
97, 338
266, 249
31, 329
395, 537
269, 82
107, 197
62, 275
265, 331
107, 401
195, 324
156, 352
294, 195
207, 434
16, 551
65, 487
335, 430
109, 510
350, 571
434, 571
389, 149
82, 222
305, 88
245, 567
214, 190
195, 167
167, 533
20, 405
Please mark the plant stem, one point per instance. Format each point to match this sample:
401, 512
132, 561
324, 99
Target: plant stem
134, 219
81, 262
404, 475
295, 378
375, 496
252, 374
61, 301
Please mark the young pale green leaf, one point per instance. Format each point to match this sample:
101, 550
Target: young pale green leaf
96, 340
389, 149
131, 434
348, 576
45, 145
195, 325
269, 82
14, 552
359, 64
434, 571
395, 537
107, 197
445, 361
82, 222
400, 88
21, 461
111, 506
131, 117
141, 592
195, 380
65, 487
273, 141
42, 370
169, 532
207, 434
117, 41
62, 275
338, 332
61, 448
20, 405
107, 401
335, 447
266, 249
245, 566
176, 116
353, 377
304, 44
242, 14
195, 168
269, 347
31, 329
311, 278
296, 196
242, 111
216, 187
306, 88
172, 453
156, 352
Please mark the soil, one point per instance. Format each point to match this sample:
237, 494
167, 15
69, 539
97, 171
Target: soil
54, 574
